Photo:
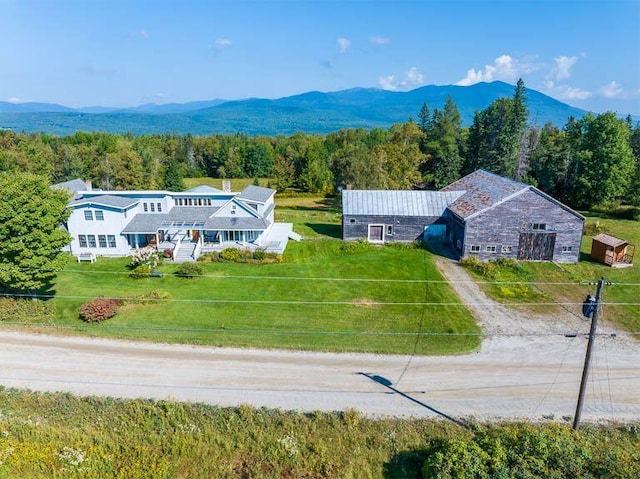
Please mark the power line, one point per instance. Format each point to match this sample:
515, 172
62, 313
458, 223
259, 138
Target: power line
338, 279
315, 303
102, 326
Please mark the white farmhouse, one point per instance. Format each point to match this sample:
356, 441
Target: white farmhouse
188, 223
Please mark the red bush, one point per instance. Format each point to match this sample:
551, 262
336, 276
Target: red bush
99, 309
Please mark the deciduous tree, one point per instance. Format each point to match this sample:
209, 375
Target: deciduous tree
31, 215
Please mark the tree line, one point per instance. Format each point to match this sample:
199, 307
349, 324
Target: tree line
588, 162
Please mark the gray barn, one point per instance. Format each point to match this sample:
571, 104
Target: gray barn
483, 215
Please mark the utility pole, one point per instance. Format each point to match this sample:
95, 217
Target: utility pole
591, 307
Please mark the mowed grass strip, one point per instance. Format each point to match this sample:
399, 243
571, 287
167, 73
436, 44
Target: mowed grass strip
318, 298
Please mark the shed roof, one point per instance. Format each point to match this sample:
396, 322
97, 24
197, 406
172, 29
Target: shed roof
397, 202
256, 193
609, 240
482, 190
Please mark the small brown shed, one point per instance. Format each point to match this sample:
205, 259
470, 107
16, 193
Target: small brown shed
613, 251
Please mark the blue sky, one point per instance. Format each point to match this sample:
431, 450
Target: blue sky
127, 52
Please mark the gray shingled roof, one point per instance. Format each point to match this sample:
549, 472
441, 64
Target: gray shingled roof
150, 223
256, 193
609, 240
72, 186
397, 202
483, 190
106, 200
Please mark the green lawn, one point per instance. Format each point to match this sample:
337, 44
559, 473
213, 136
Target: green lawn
626, 317
316, 299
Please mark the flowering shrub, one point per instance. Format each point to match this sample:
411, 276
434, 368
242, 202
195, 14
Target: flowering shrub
148, 256
99, 309
230, 254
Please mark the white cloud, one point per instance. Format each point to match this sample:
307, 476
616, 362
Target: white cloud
562, 67
564, 92
15, 99
413, 78
344, 44
222, 43
503, 68
612, 90
143, 33
379, 40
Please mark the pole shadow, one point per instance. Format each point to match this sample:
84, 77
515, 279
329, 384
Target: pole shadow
382, 381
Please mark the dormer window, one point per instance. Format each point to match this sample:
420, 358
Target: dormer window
145, 207
159, 207
153, 207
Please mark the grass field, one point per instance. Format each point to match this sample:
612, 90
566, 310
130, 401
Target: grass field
62, 436
320, 297
626, 317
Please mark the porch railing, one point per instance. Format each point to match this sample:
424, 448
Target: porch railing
198, 248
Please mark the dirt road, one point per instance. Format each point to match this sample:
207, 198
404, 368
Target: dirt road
510, 377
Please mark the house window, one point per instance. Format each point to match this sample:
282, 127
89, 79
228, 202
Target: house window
102, 241
208, 201
390, 230
99, 216
567, 249
190, 202
88, 215
538, 226
144, 207
159, 207
112, 241
153, 207
491, 248
199, 201
82, 239
507, 249
179, 201
91, 239
352, 221
233, 209
475, 248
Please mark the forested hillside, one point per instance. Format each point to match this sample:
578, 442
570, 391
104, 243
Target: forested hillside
588, 162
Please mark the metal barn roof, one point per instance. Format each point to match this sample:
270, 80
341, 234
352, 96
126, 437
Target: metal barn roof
397, 202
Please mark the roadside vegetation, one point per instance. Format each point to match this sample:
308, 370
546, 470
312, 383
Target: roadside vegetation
58, 435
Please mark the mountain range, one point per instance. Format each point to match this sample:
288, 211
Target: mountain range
312, 112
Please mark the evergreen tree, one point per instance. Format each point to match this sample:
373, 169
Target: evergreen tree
443, 146
173, 179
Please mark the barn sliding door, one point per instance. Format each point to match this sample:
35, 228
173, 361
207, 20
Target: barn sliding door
536, 246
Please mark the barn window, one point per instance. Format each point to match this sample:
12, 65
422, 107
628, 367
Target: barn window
507, 249
390, 230
538, 226
567, 249
352, 221
475, 248
491, 248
